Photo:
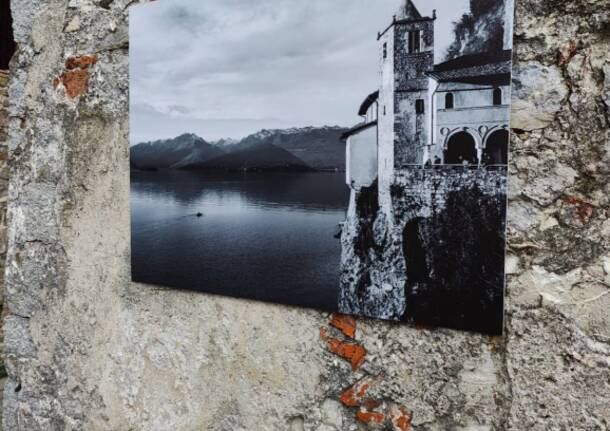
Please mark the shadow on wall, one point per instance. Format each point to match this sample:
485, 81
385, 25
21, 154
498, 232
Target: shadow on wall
455, 264
7, 47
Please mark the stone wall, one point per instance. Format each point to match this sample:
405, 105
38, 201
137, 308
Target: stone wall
454, 216
87, 349
450, 230
411, 84
3, 199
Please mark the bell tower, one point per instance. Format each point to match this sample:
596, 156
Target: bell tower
414, 58
406, 51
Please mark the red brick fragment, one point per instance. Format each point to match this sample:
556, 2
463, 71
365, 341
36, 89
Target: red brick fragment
76, 82
345, 324
566, 52
353, 397
76, 79
370, 418
82, 62
584, 210
370, 404
401, 418
354, 353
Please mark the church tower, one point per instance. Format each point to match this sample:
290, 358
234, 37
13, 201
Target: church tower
406, 55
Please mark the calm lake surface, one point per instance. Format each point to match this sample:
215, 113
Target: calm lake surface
262, 236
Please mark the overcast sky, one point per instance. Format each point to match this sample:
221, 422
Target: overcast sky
228, 68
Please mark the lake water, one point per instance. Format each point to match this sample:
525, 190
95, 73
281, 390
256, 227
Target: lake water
261, 236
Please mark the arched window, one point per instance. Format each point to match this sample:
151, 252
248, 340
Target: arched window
497, 96
461, 149
419, 106
496, 150
414, 41
449, 101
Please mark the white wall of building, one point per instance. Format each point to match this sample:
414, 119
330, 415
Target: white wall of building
386, 121
473, 112
361, 149
371, 113
469, 95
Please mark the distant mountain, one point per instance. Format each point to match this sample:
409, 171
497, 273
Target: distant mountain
200, 154
164, 154
318, 147
259, 157
222, 143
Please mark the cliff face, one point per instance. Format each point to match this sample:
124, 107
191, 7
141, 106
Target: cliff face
481, 30
437, 258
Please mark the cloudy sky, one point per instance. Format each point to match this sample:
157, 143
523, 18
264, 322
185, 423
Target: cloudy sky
228, 68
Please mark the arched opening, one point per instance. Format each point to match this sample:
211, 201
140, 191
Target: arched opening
461, 149
7, 47
496, 150
449, 101
497, 96
415, 254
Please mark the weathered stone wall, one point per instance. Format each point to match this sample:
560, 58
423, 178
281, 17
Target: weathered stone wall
87, 349
411, 84
450, 230
3, 198
457, 215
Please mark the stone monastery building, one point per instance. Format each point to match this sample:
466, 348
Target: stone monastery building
452, 113
423, 240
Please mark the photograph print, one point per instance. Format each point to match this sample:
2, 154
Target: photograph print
347, 155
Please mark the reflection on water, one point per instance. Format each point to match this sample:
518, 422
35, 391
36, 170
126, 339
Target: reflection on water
259, 236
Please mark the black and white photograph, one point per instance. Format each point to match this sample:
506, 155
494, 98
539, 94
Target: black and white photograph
347, 155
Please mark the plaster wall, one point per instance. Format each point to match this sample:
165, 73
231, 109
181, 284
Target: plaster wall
468, 97
362, 163
87, 349
386, 117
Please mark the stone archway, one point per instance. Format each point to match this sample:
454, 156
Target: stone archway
461, 148
496, 148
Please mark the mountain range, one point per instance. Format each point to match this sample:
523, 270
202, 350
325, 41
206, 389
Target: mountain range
298, 149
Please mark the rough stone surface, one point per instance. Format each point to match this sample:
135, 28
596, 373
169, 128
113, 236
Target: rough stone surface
441, 216
87, 349
3, 199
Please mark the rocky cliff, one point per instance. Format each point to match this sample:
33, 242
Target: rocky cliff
481, 30
437, 258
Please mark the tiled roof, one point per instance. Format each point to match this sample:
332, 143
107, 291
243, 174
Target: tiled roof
477, 68
370, 99
357, 128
